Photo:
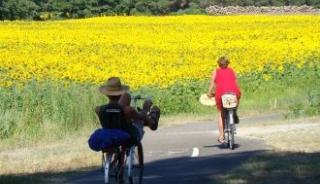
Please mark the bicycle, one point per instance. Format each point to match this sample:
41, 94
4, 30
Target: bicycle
229, 105
127, 168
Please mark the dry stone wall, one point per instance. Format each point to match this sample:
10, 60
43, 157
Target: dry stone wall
230, 10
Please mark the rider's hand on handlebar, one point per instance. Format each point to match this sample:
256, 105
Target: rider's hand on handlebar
210, 95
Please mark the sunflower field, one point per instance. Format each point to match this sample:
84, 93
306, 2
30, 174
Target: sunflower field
152, 50
47, 68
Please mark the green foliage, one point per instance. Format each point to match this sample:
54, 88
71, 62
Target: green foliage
182, 97
27, 111
35, 109
48, 9
18, 9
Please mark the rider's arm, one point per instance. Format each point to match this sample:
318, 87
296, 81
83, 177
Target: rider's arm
236, 80
212, 86
131, 113
97, 110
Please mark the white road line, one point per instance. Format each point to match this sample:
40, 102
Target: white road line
175, 152
195, 152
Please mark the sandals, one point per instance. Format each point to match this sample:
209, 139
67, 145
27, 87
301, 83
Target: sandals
154, 114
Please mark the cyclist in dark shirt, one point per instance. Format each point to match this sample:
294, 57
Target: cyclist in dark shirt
111, 115
118, 114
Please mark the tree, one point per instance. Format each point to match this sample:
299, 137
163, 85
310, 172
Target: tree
82, 8
125, 7
18, 9
286, 2
3, 10
37, 9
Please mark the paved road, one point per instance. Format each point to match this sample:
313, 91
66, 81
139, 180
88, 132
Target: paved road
168, 155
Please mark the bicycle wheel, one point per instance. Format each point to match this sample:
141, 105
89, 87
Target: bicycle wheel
231, 130
106, 162
110, 163
135, 165
103, 161
226, 129
227, 136
231, 138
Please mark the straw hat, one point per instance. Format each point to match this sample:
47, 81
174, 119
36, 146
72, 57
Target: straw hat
208, 101
113, 87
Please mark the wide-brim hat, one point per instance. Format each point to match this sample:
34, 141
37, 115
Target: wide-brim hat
208, 101
113, 87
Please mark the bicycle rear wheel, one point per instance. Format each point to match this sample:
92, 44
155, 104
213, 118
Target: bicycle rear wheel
226, 128
110, 163
231, 129
106, 163
231, 138
135, 165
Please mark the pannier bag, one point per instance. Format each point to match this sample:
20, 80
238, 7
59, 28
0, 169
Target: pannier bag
106, 138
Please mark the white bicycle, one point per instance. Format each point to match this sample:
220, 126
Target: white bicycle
127, 168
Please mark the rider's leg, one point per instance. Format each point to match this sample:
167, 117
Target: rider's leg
221, 126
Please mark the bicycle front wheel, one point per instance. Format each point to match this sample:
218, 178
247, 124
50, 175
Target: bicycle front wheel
135, 165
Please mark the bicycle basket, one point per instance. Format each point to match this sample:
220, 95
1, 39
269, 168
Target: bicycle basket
229, 100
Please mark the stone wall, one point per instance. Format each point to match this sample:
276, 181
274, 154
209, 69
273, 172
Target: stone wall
230, 10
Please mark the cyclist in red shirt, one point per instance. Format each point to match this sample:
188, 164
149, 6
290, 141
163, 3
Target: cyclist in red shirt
223, 80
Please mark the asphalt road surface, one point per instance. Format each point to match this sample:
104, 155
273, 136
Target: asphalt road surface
185, 154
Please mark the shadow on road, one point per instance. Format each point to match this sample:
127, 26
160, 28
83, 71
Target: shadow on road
193, 170
221, 146
249, 167
173, 170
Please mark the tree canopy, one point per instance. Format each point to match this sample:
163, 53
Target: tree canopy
54, 9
